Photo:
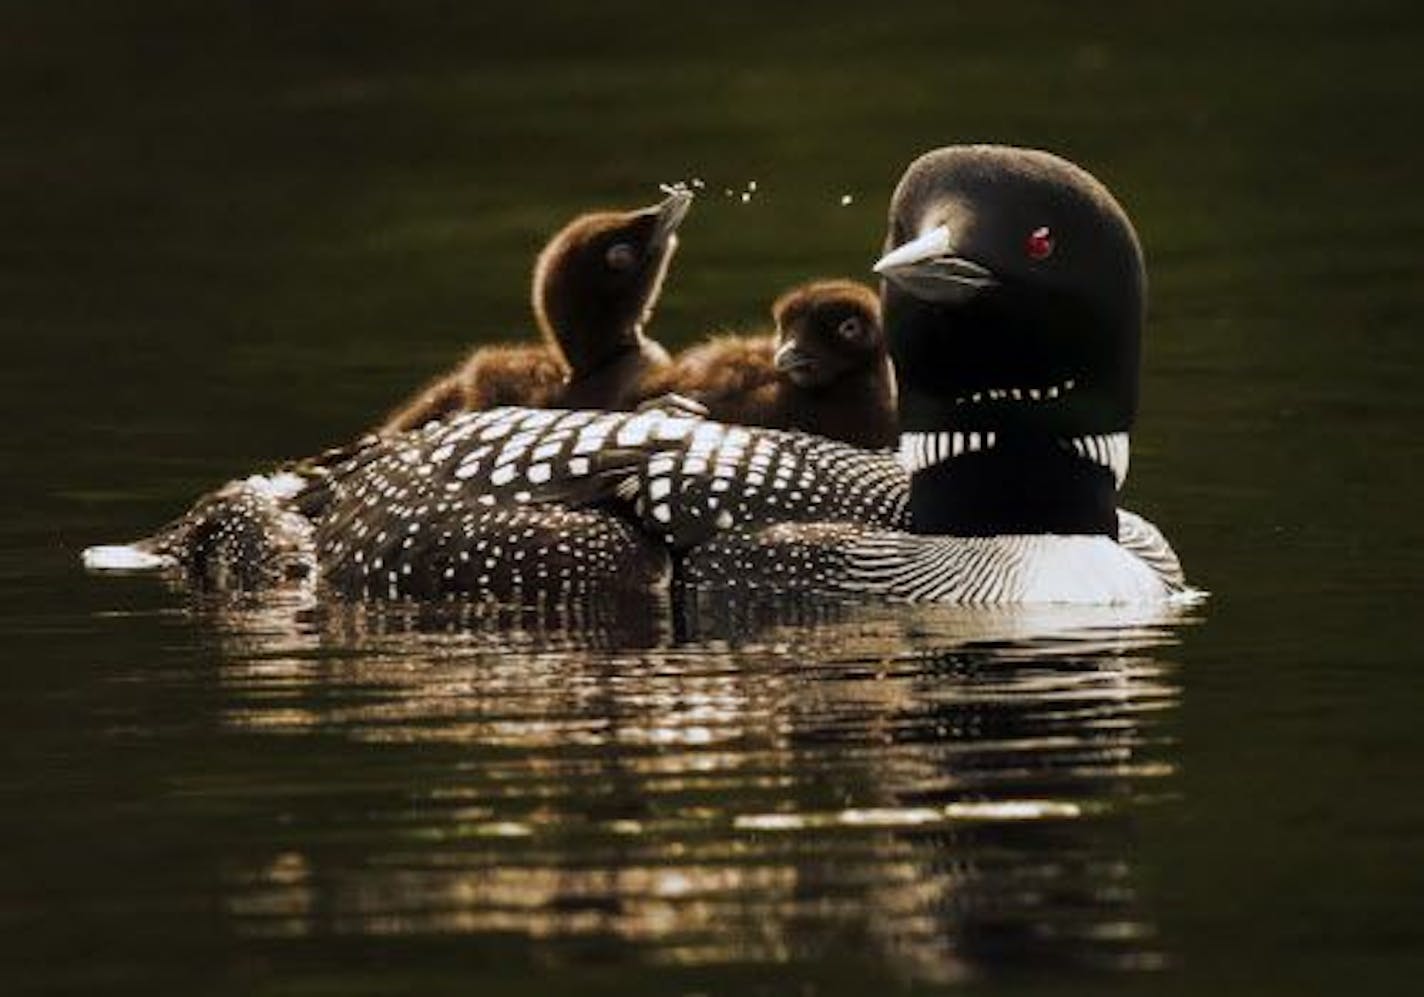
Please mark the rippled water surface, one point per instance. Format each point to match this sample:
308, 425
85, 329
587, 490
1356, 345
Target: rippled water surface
235, 236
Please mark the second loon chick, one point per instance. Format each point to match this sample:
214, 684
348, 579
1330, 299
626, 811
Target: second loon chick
826, 370
595, 286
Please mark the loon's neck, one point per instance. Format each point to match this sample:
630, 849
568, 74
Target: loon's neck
1014, 484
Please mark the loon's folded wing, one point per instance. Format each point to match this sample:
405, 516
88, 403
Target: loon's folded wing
506, 503
592, 498
683, 477
498, 457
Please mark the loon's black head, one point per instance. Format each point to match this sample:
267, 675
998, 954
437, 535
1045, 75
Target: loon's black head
825, 330
597, 281
1013, 299
1014, 295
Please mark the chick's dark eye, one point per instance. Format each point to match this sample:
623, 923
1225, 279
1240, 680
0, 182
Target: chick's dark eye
849, 329
620, 256
1039, 244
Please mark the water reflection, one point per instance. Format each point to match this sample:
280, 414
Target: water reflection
952, 791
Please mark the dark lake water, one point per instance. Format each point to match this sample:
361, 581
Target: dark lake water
237, 233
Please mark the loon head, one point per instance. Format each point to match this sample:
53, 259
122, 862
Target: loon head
597, 281
827, 330
1013, 298
1014, 294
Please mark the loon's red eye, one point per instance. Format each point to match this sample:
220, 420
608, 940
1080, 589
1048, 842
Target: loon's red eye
1039, 244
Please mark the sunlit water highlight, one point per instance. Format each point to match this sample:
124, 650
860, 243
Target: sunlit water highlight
954, 788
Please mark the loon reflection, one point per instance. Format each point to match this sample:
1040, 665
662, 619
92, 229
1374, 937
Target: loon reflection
952, 791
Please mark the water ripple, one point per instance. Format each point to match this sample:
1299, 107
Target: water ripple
954, 790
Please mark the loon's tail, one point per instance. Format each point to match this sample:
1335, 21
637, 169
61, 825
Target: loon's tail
141, 555
244, 535
249, 533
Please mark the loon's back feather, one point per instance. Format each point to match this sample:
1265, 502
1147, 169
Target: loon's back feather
580, 499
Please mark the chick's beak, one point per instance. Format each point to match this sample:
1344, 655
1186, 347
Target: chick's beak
668, 215
795, 363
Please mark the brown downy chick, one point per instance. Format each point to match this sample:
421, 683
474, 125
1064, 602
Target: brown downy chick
595, 286
826, 369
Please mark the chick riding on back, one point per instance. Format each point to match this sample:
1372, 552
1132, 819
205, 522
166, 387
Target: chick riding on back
594, 289
825, 370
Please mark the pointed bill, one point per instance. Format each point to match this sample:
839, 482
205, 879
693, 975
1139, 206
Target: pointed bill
927, 268
670, 213
933, 243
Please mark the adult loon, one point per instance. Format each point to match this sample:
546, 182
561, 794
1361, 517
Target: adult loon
1013, 306
595, 286
825, 370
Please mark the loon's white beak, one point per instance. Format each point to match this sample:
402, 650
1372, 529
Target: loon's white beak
933, 243
928, 268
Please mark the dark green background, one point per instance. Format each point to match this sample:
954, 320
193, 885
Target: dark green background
239, 232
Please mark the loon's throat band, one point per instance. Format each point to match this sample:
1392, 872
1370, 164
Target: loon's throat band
919, 451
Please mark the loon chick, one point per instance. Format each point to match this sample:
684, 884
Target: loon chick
825, 370
595, 286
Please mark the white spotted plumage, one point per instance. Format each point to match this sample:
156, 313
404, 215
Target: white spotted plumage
582, 502
761, 508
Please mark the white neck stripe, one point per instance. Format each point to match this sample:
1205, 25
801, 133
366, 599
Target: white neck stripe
921, 450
